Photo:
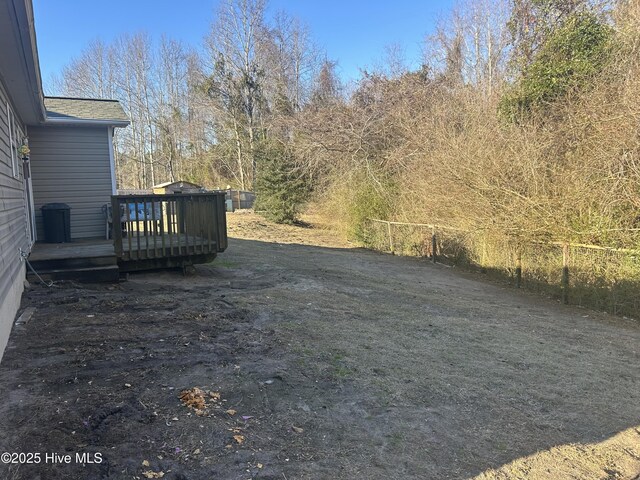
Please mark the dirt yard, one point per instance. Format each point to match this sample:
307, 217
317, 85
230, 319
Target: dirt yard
297, 356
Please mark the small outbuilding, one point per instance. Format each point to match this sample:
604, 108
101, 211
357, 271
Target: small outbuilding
241, 199
177, 187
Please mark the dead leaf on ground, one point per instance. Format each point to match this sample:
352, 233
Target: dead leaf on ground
145, 463
231, 412
297, 429
194, 398
239, 439
152, 474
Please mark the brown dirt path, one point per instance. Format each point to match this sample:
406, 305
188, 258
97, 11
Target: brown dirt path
330, 362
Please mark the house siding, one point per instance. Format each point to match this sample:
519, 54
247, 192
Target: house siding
70, 164
13, 227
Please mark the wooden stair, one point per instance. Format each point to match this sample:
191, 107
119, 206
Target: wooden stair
82, 262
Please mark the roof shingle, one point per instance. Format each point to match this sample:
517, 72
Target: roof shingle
87, 109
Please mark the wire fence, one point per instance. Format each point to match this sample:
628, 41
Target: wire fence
603, 278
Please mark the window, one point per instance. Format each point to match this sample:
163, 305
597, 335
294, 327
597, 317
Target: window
13, 141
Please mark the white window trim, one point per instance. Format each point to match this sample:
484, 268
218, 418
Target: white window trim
112, 162
13, 141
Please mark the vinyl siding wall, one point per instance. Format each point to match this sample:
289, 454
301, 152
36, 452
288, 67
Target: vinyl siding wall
71, 164
13, 227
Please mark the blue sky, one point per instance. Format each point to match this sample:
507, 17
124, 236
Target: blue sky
353, 32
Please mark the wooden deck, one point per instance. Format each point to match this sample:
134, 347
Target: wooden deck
67, 251
142, 247
87, 260
172, 230
149, 252
153, 232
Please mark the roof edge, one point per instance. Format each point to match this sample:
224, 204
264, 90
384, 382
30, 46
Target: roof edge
26, 64
36, 74
86, 121
83, 98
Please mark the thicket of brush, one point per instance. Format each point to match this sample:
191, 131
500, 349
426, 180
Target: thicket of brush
545, 150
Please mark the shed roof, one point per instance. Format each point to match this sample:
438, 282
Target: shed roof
85, 110
178, 183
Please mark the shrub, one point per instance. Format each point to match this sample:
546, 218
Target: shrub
281, 188
368, 200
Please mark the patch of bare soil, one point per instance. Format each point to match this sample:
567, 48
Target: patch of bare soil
295, 356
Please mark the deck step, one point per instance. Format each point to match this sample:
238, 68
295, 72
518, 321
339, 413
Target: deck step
74, 263
99, 274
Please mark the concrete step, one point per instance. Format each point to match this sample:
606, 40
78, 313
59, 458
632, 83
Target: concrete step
99, 274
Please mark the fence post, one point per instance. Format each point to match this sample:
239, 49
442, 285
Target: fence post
518, 268
565, 273
483, 259
391, 249
434, 244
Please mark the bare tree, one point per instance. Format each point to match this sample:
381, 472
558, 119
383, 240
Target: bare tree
471, 46
292, 59
235, 84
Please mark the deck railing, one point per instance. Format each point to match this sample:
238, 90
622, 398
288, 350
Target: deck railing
172, 225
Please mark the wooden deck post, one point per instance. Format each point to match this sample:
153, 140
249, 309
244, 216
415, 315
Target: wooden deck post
116, 226
519, 268
391, 249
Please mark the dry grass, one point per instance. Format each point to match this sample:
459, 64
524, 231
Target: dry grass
605, 280
617, 457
